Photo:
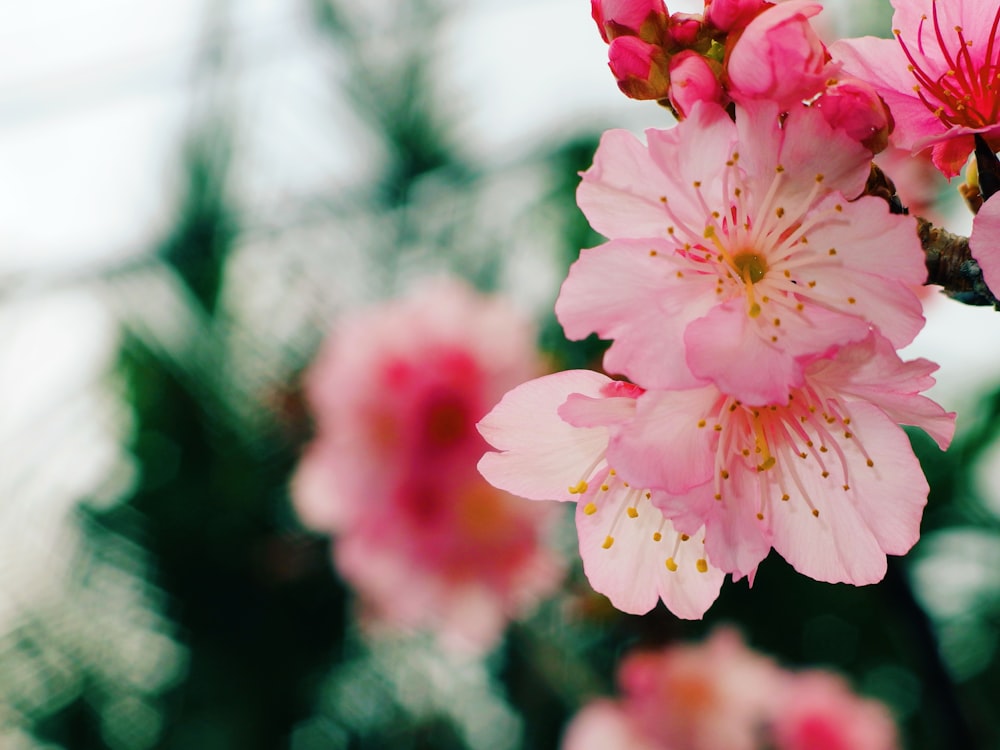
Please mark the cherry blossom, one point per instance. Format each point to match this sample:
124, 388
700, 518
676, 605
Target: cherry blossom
938, 76
552, 435
737, 253
827, 479
396, 393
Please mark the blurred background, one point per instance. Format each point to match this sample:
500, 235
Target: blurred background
192, 194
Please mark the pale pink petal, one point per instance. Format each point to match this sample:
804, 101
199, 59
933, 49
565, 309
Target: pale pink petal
872, 372
664, 447
724, 347
757, 361
587, 411
985, 242
735, 540
628, 290
628, 557
620, 193
696, 153
541, 456
852, 530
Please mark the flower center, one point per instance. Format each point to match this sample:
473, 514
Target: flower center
750, 266
965, 94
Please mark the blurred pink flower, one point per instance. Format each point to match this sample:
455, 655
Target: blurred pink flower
553, 434
939, 76
820, 712
737, 254
708, 696
396, 393
779, 57
722, 695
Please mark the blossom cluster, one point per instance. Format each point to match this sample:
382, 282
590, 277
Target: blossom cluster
755, 297
396, 393
721, 694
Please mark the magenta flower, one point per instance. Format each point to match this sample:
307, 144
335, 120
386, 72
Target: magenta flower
827, 479
939, 76
396, 393
736, 255
553, 434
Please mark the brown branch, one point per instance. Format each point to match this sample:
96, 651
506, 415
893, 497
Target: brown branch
951, 265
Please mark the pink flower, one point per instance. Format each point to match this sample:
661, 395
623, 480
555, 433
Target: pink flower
692, 79
939, 76
779, 57
646, 19
827, 478
552, 435
856, 108
721, 694
819, 712
639, 67
985, 242
396, 393
708, 696
732, 15
736, 255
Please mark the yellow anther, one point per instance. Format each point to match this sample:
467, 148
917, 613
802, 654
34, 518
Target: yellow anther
604, 488
657, 536
815, 512
579, 488
608, 542
768, 463
671, 565
590, 509
632, 512
760, 516
684, 537
785, 498
702, 565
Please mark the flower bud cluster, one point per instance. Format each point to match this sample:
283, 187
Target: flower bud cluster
736, 51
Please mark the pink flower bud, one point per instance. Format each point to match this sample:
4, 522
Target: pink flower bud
640, 68
732, 15
684, 28
779, 56
646, 19
692, 79
856, 108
